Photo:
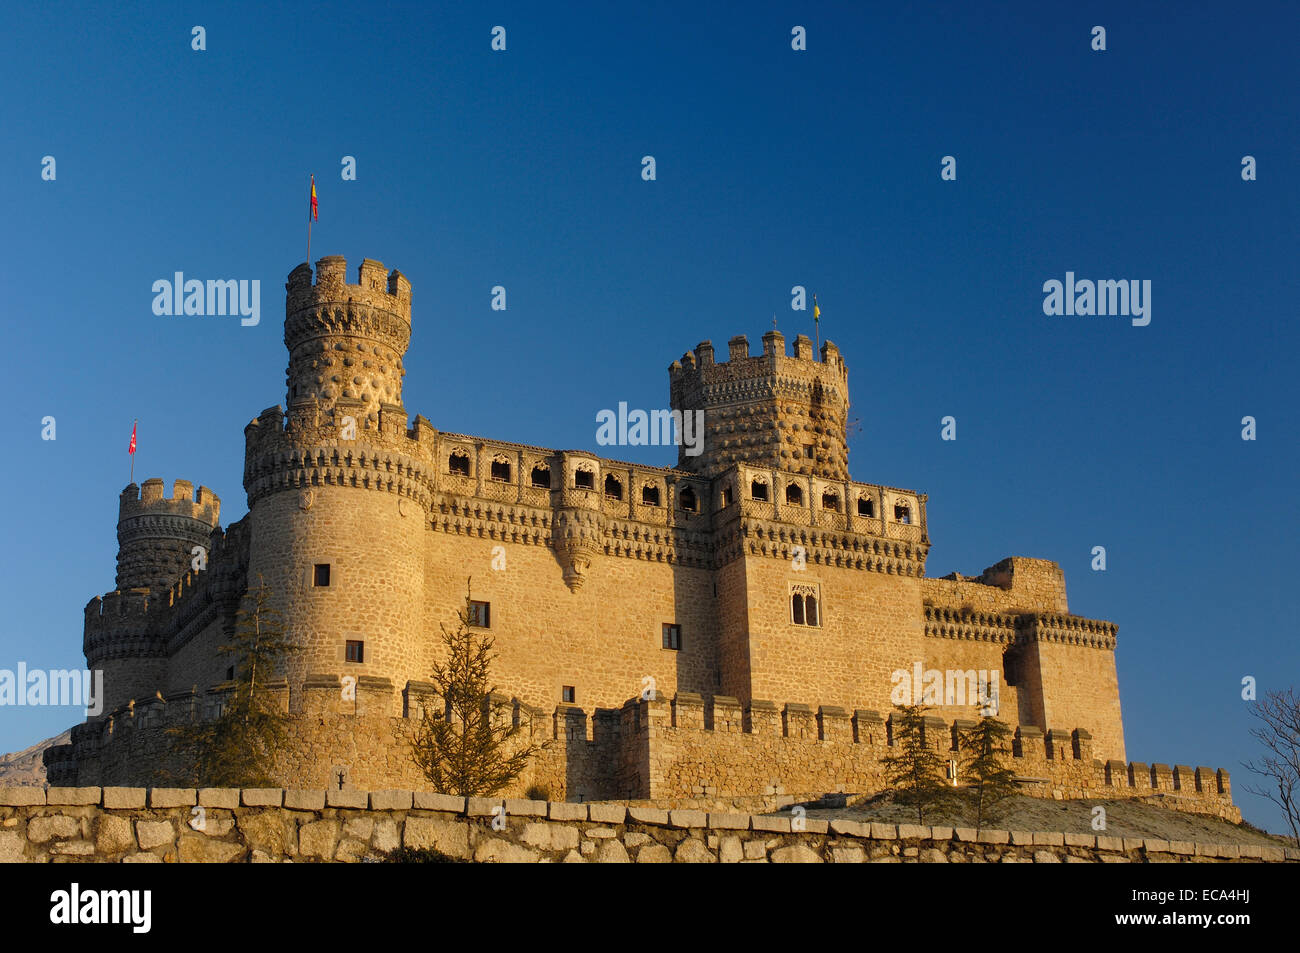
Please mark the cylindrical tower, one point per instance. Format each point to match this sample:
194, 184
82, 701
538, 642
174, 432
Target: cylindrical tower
772, 410
156, 546
156, 537
338, 492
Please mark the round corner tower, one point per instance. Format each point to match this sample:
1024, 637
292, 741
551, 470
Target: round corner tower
770, 410
156, 539
338, 489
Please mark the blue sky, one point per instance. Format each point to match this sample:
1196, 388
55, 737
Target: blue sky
775, 168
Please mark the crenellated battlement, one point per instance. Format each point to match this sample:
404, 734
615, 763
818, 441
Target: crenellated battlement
147, 499
376, 287
769, 409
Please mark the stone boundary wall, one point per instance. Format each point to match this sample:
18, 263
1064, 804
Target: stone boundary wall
226, 825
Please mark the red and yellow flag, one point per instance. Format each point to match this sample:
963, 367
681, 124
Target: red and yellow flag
131, 449
312, 213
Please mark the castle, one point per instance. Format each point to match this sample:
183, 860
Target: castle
729, 628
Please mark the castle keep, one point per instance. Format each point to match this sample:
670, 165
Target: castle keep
728, 628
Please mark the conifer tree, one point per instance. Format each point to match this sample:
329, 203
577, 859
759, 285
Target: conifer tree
917, 774
468, 745
237, 748
985, 746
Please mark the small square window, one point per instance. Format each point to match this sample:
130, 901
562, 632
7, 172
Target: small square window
320, 576
230, 674
672, 636
356, 651
584, 479
568, 695
480, 614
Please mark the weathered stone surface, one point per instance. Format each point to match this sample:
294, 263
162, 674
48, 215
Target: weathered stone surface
607, 813
72, 796
298, 799
142, 859
113, 834
729, 822
519, 807
173, 797
123, 798
12, 847
550, 836
496, 851
687, 819
564, 811
768, 822
648, 815
319, 839
197, 849
611, 852
227, 798
848, 855
395, 800
42, 829
153, 834
796, 854
24, 796
428, 801
654, 853
386, 837
730, 850
1046, 857
692, 851
346, 798
262, 797
444, 834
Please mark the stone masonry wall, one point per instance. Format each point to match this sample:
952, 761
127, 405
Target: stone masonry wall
227, 825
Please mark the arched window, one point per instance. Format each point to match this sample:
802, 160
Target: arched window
758, 490
500, 470
688, 500
650, 495
796, 608
613, 489
810, 609
830, 501
584, 479
794, 494
902, 513
866, 506
726, 496
541, 477
458, 463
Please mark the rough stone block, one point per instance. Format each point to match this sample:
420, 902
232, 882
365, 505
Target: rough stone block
443, 834
994, 837
428, 801
913, 832
648, 815
296, 799
123, 798
262, 797
227, 798
567, 811
1080, 840
519, 807
153, 834
847, 828
391, 800
353, 799
22, 797
173, 797
42, 829
729, 822
1049, 838
775, 823
682, 818
884, 831
607, 813
71, 797
483, 806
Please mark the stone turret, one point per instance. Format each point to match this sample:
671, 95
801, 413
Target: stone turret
346, 343
770, 410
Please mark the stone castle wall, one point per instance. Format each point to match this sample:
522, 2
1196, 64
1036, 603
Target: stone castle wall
231, 825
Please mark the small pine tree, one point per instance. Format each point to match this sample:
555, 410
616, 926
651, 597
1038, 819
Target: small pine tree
471, 747
917, 774
982, 767
237, 748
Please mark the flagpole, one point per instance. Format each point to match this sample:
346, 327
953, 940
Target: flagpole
313, 185
134, 424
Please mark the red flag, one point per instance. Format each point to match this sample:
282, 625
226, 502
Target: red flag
131, 449
313, 200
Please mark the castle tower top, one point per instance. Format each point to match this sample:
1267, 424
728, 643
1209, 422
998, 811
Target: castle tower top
772, 410
346, 342
156, 536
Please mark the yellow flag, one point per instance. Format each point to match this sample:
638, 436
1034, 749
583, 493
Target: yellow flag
817, 312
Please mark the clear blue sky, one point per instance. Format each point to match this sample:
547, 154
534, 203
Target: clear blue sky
775, 168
